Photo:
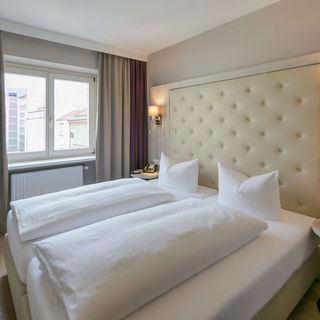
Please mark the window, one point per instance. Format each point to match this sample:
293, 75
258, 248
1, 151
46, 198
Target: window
71, 100
25, 99
49, 114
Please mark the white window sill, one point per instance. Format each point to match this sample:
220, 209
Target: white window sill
48, 163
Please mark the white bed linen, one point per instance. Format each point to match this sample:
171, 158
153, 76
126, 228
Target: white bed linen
257, 195
22, 252
201, 193
230, 289
53, 213
108, 269
181, 176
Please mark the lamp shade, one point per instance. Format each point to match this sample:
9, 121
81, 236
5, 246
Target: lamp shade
153, 111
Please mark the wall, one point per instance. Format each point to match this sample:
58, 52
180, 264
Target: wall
285, 29
26, 47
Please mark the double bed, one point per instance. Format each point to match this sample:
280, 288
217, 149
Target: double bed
254, 124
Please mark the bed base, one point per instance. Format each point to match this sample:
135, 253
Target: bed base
285, 300
18, 289
279, 307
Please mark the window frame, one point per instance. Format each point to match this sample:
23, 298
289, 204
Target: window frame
50, 75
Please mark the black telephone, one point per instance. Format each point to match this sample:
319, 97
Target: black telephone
150, 168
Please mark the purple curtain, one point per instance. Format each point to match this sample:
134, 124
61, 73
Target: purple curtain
138, 115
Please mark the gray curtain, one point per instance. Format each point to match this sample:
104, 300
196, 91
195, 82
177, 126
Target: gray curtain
3, 150
113, 122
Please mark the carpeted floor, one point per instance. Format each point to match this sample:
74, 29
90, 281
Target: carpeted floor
305, 310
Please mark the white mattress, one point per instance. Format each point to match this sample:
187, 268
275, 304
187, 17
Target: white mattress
22, 253
236, 287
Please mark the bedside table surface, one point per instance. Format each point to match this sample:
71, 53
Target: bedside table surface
316, 227
145, 176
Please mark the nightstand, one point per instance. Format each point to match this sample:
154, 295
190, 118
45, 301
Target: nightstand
316, 227
144, 175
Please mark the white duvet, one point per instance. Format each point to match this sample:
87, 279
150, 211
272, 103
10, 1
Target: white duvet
53, 213
108, 269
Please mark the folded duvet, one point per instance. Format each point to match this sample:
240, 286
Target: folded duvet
49, 214
109, 269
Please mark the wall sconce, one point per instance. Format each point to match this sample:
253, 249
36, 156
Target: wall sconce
154, 113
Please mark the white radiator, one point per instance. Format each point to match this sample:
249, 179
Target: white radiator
25, 185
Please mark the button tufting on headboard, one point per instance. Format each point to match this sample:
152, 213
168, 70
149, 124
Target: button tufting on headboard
254, 124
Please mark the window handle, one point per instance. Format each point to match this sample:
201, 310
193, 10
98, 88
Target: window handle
51, 122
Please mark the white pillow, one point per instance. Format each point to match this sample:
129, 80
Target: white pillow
182, 176
258, 195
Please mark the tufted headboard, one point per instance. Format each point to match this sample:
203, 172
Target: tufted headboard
254, 124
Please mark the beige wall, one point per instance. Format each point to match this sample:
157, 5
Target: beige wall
286, 29
27, 47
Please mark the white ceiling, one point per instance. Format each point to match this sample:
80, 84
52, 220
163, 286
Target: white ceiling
137, 26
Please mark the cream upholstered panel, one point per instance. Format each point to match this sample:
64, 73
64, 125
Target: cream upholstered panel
254, 124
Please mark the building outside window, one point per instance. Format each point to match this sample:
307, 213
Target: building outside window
49, 114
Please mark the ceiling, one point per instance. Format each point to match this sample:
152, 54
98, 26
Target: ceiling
140, 26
